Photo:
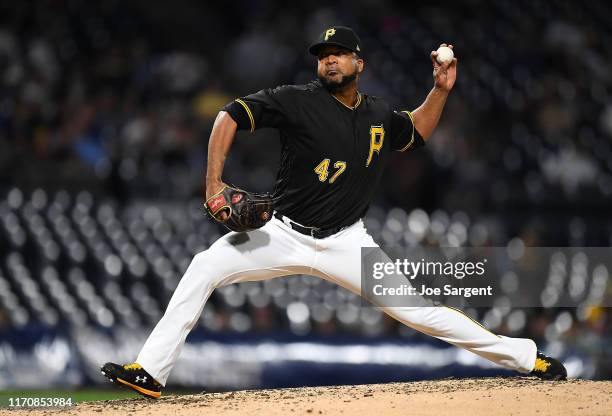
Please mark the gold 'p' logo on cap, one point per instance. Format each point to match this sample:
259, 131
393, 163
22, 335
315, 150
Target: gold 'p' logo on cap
329, 33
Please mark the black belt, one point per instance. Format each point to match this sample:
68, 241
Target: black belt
311, 231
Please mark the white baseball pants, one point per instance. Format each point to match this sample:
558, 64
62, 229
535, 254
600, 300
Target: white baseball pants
276, 250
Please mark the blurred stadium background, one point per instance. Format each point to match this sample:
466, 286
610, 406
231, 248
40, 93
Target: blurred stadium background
105, 113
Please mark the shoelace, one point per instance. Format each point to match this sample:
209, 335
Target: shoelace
541, 365
133, 366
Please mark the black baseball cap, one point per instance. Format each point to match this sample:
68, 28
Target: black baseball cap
341, 36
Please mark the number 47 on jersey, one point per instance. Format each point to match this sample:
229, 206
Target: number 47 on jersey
377, 134
322, 170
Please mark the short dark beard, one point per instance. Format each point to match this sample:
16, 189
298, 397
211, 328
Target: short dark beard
333, 86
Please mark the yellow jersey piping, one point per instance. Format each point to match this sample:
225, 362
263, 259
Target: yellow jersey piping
412, 138
248, 110
348, 106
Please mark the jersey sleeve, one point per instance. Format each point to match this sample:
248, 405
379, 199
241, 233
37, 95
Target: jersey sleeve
263, 109
404, 136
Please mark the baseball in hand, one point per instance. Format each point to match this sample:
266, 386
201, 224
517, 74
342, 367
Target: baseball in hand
445, 54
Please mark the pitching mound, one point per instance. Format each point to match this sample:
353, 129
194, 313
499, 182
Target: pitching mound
472, 397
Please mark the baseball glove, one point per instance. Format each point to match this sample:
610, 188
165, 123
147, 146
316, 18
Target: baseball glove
246, 211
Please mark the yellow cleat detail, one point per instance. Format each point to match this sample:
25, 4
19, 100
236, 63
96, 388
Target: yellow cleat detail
541, 365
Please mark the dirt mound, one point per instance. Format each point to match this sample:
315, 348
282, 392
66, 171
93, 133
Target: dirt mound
472, 397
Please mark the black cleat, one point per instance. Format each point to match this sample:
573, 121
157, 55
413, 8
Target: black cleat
548, 368
134, 377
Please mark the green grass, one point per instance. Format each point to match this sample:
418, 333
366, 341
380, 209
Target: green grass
78, 395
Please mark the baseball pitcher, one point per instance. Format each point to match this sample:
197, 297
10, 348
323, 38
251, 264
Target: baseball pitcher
335, 143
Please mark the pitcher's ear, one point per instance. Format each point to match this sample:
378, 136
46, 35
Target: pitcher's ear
360, 65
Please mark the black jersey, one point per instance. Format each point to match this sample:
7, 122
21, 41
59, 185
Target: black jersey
332, 156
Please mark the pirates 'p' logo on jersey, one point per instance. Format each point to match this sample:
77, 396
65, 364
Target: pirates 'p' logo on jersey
329, 33
377, 136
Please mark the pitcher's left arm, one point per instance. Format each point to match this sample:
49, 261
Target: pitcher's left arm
427, 115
